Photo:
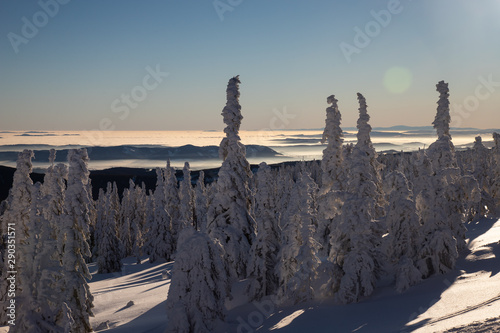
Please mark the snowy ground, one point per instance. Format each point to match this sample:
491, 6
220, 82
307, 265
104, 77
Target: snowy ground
460, 301
469, 293
142, 284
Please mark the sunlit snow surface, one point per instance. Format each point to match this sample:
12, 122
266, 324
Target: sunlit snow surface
143, 284
470, 293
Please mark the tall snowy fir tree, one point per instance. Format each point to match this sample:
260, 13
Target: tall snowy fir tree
442, 151
264, 251
127, 211
438, 250
160, 240
172, 203
149, 223
298, 257
39, 305
186, 194
495, 182
201, 203
229, 215
74, 228
481, 167
443, 220
54, 187
107, 243
284, 186
333, 175
403, 225
354, 242
298, 261
18, 213
26, 318
198, 289
138, 220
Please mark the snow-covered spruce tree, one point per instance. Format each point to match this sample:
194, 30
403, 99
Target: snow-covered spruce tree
160, 242
481, 167
200, 203
18, 213
198, 289
26, 317
40, 307
284, 186
357, 236
172, 202
442, 155
422, 173
138, 221
442, 151
47, 208
109, 253
100, 218
149, 223
371, 165
186, 195
438, 251
74, 227
229, 218
403, 225
53, 188
465, 205
495, 181
127, 210
333, 176
298, 264
264, 251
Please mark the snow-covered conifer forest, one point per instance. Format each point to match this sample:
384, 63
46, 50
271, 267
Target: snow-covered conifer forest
328, 230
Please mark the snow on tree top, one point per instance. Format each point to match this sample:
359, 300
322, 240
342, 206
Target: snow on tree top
232, 110
364, 128
496, 139
333, 118
232, 118
24, 161
442, 121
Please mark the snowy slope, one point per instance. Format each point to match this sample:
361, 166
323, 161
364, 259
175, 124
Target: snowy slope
142, 284
468, 294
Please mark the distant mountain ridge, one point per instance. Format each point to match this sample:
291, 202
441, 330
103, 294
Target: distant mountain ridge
143, 152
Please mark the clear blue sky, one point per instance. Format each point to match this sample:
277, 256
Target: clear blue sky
75, 70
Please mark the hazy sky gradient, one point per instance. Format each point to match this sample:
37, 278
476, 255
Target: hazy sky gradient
287, 53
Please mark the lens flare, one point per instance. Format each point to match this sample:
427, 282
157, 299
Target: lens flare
397, 80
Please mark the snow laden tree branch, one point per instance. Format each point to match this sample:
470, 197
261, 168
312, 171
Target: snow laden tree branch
229, 216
